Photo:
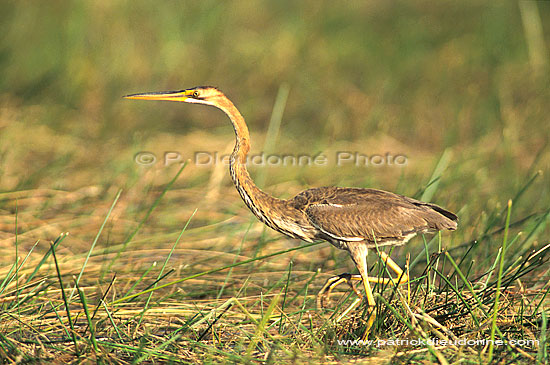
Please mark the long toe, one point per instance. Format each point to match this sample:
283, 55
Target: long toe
324, 294
323, 297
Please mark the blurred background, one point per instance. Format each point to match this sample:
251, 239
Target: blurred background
462, 86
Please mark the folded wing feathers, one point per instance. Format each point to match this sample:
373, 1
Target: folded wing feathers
353, 214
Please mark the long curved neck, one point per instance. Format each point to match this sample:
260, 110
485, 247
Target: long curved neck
259, 202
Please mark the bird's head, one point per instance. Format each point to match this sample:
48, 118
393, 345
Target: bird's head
207, 95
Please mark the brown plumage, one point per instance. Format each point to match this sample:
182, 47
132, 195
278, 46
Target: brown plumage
375, 217
353, 219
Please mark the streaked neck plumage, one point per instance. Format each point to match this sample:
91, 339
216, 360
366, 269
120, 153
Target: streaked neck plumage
259, 202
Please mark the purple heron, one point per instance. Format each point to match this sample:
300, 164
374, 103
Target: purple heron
352, 219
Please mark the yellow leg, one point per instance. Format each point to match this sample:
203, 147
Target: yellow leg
402, 277
359, 255
347, 278
333, 282
372, 307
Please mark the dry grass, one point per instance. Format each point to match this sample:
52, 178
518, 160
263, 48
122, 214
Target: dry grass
253, 312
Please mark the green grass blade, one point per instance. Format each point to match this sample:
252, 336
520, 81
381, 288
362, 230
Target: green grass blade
260, 329
542, 354
9, 278
431, 188
95, 242
56, 243
499, 282
273, 127
140, 279
64, 295
88, 317
111, 319
284, 297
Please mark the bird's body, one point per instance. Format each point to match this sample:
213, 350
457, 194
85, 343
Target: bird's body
373, 217
352, 219
340, 215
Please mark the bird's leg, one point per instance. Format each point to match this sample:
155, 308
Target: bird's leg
349, 279
402, 277
359, 254
333, 282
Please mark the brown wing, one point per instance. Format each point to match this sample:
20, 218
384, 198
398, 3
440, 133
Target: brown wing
353, 214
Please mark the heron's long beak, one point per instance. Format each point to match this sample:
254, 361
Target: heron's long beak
180, 95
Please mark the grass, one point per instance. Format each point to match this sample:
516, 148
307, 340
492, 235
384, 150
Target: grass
105, 260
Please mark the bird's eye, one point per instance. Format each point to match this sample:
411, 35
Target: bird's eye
196, 94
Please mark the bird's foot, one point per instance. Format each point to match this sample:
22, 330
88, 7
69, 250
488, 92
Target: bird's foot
333, 282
